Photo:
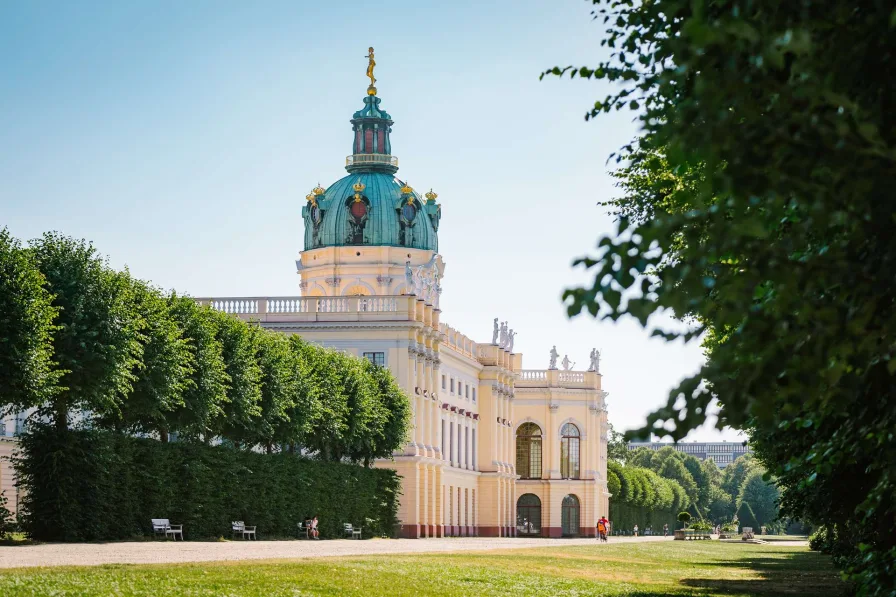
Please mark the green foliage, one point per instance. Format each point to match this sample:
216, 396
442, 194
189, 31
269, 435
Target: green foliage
757, 203
762, 497
241, 411
701, 525
684, 517
205, 390
746, 517
90, 485
129, 358
7, 519
161, 375
26, 323
96, 343
617, 447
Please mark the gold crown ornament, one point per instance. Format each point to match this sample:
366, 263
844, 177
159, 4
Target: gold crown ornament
319, 190
406, 189
359, 186
431, 197
311, 199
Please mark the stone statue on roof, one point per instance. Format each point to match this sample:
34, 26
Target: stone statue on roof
595, 360
495, 331
567, 364
554, 355
409, 277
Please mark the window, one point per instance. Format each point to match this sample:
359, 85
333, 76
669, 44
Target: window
452, 385
569, 451
443, 382
377, 358
569, 516
467, 391
528, 515
474, 394
528, 451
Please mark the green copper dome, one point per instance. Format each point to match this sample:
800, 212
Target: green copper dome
371, 206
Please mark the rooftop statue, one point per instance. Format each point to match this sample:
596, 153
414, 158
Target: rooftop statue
567, 364
409, 277
495, 331
371, 63
510, 335
554, 355
595, 360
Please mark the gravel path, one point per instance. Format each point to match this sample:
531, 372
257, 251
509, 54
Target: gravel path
170, 552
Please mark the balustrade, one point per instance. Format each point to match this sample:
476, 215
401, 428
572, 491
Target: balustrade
287, 305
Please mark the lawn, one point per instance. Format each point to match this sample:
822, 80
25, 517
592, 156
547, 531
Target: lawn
647, 569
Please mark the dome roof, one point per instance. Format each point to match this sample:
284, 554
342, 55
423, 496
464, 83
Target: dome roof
370, 208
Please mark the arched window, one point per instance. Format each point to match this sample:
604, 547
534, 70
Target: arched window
528, 515
569, 516
569, 451
528, 451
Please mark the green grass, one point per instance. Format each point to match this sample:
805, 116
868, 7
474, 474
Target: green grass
646, 569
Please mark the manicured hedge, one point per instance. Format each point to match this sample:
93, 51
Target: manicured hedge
89, 485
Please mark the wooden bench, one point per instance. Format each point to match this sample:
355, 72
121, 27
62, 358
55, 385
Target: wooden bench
240, 528
305, 530
162, 526
354, 533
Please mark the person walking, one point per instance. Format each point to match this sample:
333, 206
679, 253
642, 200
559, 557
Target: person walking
666, 530
635, 530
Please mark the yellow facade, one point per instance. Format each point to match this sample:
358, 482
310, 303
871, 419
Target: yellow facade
459, 466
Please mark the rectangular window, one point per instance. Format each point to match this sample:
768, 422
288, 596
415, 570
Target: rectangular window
377, 358
452, 385
443, 382
467, 391
474, 394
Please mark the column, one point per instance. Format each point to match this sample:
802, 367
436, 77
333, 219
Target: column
424, 490
461, 448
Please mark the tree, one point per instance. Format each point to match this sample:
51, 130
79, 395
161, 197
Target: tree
762, 497
396, 408
162, 373
240, 414
96, 344
735, 474
205, 389
781, 252
280, 371
617, 447
27, 376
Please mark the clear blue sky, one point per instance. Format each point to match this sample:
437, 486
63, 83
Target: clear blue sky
182, 137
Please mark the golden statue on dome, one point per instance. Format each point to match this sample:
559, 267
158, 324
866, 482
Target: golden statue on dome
371, 90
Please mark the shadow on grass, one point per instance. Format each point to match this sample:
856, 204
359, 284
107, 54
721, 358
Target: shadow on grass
800, 573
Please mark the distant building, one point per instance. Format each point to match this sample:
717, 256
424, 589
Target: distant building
723, 453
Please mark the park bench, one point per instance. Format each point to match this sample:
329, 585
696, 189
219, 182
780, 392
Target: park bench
162, 526
352, 531
304, 529
240, 528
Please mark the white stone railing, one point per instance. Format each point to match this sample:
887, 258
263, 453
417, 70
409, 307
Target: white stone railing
556, 378
288, 305
572, 376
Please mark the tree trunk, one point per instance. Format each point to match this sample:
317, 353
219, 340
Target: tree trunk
163, 435
61, 416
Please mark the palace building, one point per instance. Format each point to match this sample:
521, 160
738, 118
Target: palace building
495, 450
